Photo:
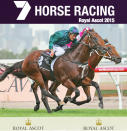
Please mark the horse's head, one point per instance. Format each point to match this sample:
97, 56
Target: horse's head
112, 54
94, 41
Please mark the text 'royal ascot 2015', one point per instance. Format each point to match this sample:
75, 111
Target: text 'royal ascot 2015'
94, 20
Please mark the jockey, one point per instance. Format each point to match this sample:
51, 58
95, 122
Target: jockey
61, 40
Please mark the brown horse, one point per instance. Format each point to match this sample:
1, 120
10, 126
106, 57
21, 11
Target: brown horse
111, 54
55, 84
93, 61
64, 70
16, 70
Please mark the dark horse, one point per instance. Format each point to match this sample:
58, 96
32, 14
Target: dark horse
62, 67
88, 75
93, 61
65, 72
16, 70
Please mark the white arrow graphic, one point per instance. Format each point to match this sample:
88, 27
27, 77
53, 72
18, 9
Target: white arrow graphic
25, 9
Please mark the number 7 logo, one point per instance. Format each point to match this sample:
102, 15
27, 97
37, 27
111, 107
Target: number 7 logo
25, 9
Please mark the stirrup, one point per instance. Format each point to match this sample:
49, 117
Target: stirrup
53, 57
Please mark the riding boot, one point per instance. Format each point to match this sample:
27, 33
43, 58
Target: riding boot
53, 57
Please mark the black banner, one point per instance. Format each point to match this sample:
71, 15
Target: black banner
63, 11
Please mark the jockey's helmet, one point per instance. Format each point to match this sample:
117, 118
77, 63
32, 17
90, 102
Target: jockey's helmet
73, 30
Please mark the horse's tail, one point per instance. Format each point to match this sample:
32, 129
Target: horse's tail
15, 69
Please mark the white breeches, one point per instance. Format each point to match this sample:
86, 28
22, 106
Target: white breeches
59, 50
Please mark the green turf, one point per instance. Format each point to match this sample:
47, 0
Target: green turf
63, 113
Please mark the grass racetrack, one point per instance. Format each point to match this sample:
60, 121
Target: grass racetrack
63, 113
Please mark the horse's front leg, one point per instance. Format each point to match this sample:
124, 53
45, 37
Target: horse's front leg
66, 99
53, 88
85, 82
71, 87
87, 92
95, 84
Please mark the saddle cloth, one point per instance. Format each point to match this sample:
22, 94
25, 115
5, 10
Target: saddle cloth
42, 62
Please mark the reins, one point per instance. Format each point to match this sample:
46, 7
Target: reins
88, 45
90, 66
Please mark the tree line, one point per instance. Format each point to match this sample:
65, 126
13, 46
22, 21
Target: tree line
6, 54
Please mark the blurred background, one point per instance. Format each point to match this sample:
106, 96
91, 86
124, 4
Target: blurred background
28, 36
18, 40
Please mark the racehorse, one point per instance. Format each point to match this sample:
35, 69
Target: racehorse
16, 70
56, 83
91, 39
62, 66
88, 74
93, 61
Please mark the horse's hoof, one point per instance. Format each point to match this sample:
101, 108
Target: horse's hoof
36, 108
57, 109
54, 110
49, 111
73, 100
101, 105
76, 103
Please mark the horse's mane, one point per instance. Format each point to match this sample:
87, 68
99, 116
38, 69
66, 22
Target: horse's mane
73, 47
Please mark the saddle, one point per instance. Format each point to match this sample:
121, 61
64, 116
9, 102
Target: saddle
44, 61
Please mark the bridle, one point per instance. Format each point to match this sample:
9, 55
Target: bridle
103, 55
109, 56
106, 57
96, 45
